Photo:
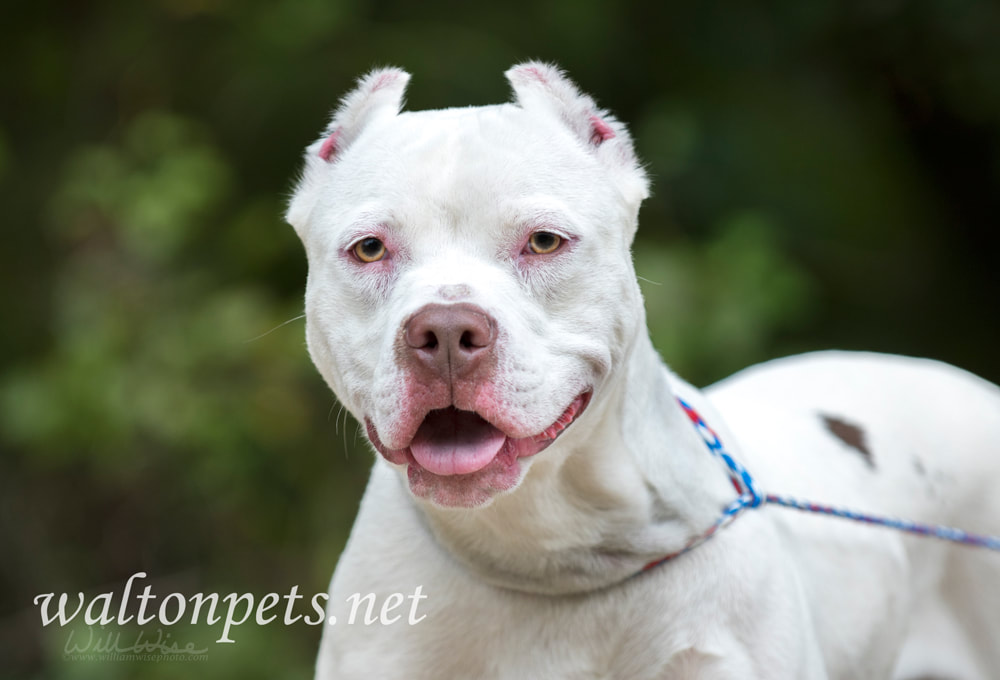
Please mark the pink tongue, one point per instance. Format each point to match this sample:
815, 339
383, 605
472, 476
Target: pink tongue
453, 442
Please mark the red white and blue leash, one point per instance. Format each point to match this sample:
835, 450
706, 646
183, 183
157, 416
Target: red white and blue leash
749, 498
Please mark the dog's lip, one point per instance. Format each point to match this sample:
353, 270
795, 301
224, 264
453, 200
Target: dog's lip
568, 416
467, 453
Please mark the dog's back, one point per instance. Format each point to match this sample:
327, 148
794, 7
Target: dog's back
898, 437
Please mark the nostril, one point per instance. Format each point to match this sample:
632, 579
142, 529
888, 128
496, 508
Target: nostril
428, 341
475, 338
420, 335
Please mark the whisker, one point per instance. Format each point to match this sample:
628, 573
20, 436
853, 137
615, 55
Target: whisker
346, 453
284, 323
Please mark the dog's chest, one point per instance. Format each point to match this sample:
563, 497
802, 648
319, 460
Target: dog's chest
517, 637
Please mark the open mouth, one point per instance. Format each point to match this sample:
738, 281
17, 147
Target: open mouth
458, 458
453, 442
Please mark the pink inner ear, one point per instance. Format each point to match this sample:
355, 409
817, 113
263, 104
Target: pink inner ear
329, 147
383, 80
600, 131
536, 73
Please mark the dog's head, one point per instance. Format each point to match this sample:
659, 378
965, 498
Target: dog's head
470, 281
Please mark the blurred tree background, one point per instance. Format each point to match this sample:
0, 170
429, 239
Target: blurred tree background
826, 174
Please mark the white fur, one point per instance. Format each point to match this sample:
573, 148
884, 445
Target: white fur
535, 584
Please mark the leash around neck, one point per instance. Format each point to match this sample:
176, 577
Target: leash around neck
749, 498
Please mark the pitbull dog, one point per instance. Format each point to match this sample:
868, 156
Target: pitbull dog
472, 302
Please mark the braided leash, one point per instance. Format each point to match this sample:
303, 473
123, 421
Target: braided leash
748, 498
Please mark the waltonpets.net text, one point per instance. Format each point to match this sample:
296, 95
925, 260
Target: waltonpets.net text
175, 607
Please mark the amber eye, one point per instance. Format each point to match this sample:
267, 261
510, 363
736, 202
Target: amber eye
369, 250
544, 242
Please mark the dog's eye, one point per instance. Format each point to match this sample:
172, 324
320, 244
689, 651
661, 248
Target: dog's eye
369, 250
544, 242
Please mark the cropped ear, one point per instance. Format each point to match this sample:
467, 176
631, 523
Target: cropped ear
380, 93
545, 87
377, 94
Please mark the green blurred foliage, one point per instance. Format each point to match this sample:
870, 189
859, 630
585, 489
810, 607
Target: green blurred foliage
825, 174
718, 307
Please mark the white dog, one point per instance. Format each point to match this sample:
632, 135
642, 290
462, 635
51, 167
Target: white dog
472, 301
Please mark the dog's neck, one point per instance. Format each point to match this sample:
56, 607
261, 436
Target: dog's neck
639, 486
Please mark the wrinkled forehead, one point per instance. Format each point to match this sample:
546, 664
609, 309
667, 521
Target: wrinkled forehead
469, 165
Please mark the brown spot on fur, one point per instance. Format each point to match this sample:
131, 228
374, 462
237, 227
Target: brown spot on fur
850, 434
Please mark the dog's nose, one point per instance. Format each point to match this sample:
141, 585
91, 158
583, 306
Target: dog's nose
450, 340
